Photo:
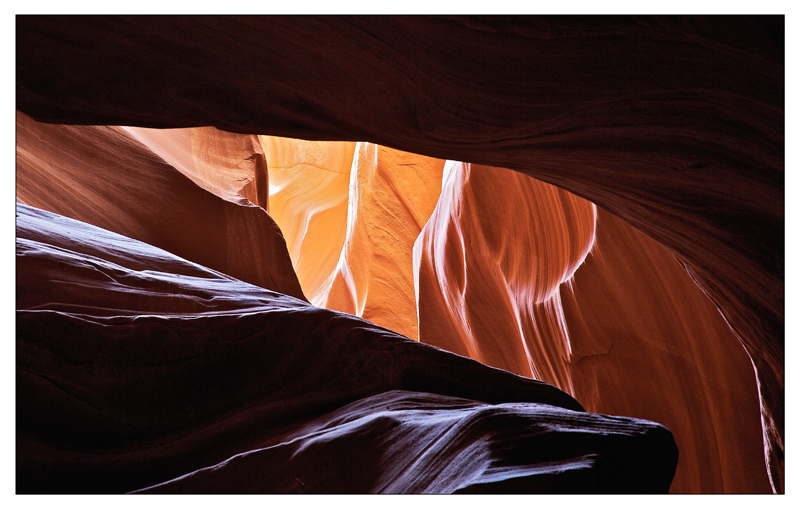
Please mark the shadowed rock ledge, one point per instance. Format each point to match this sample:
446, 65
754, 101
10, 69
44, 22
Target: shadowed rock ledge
136, 368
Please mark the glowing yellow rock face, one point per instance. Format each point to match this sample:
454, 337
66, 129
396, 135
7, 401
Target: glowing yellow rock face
309, 185
392, 194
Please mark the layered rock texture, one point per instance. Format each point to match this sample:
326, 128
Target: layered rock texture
501, 237
392, 194
351, 213
649, 283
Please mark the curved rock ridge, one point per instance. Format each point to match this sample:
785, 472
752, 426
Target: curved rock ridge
492, 256
191, 369
106, 177
416, 442
674, 124
392, 194
531, 279
309, 188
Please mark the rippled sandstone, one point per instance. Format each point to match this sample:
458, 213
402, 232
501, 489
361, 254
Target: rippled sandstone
497, 246
392, 194
308, 200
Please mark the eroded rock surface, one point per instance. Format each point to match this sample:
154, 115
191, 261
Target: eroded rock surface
489, 262
650, 344
308, 200
229, 165
412, 442
527, 277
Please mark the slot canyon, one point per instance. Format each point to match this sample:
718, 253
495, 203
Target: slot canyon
390, 254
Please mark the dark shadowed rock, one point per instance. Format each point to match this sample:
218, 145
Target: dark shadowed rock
136, 367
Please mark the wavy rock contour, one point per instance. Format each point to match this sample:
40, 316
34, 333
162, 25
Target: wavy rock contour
529, 278
308, 200
392, 194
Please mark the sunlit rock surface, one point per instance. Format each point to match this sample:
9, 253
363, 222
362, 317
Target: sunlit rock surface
309, 186
392, 194
503, 276
675, 125
350, 214
162, 374
103, 176
231, 166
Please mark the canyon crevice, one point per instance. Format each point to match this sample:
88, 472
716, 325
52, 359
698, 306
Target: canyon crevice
596, 203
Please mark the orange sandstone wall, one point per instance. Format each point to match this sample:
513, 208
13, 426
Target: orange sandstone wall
667, 355
107, 177
496, 248
503, 276
229, 165
309, 186
392, 194
350, 213
527, 277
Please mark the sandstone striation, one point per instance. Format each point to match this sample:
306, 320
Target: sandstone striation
229, 165
664, 340
493, 254
529, 278
308, 200
392, 194
412, 442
